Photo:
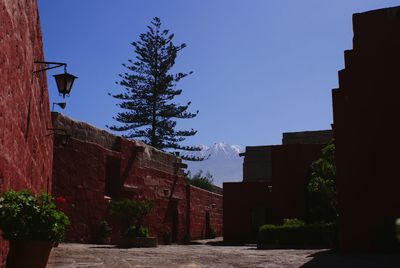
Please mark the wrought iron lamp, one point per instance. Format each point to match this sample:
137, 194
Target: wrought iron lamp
64, 81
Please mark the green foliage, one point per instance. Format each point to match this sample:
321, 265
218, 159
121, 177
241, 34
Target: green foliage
200, 180
148, 110
134, 231
321, 234
211, 234
130, 232
142, 231
321, 189
293, 222
104, 230
131, 211
33, 217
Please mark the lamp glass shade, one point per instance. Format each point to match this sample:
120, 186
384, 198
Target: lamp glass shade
64, 83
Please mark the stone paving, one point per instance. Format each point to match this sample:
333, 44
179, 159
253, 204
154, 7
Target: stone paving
201, 256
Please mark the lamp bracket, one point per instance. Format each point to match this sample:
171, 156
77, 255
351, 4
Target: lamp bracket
60, 132
49, 65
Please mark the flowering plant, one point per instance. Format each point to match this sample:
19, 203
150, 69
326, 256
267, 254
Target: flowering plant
60, 200
25, 216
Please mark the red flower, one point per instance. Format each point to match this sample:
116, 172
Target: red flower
60, 200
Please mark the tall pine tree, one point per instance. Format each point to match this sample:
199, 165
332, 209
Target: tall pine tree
149, 112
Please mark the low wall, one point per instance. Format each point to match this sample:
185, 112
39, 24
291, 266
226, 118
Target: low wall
92, 170
205, 213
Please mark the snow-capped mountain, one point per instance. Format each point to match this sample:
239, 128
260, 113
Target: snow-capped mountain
223, 162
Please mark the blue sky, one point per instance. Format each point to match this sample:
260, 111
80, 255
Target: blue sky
261, 67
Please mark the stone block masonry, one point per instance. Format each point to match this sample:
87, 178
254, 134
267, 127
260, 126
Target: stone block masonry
204, 213
25, 146
96, 167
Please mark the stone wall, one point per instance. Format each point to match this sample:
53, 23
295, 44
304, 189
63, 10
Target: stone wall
205, 213
25, 147
96, 167
257, 163
240, 200
307, 137
290, 173
366, 112
249, 204
76, 172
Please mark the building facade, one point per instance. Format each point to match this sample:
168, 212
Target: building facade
366, 112
25, 142
273, 186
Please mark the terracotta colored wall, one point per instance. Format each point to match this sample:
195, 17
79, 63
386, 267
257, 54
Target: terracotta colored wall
290, 173
366, 112
80, 175
201, 202
157, 178
95, 163
77, 169
25, 150
239, 199
290, 170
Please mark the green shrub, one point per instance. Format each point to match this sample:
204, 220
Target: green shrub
132, 232
322, 234
104, 230
294, 221
31, 217
142, 232
321, 195
131, 211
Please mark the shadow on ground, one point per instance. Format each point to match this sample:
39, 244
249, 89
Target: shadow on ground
333, 259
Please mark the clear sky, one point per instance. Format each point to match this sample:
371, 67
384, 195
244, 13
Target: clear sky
261, 67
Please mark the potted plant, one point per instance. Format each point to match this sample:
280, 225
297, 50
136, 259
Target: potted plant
103, 233
32, 224
132, 214
167, 237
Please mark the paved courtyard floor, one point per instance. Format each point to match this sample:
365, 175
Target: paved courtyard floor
196, 256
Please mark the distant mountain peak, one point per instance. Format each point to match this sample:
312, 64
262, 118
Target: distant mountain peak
222, 161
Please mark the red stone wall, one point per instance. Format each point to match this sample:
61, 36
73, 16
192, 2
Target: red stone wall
279, 199
239, 200
95, 164
25, 150
290, 172
202, 206
77, 169
366, 112
153, 175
